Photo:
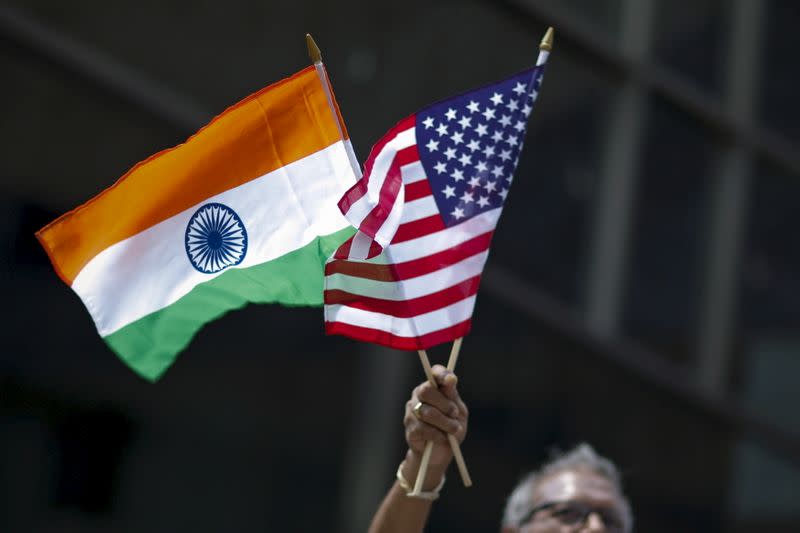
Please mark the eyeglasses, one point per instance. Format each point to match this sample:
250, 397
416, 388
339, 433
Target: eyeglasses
573, 513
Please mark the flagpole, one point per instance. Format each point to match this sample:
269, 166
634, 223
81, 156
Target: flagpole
316, 58
454, 446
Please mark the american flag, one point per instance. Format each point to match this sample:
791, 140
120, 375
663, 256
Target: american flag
426, 209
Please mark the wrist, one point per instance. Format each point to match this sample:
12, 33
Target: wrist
410, 468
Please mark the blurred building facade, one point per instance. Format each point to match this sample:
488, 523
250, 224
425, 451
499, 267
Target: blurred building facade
642, 293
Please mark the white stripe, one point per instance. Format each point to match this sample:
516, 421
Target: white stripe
361, 208
403, 327
359, 248
413, 172
386, 231
400, 252
419, 208
412, 287
281, 211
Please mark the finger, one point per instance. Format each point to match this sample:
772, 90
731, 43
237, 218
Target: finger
446, 380
425, 393
425, 432
434, 417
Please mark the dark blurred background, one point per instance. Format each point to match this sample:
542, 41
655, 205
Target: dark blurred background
642, 295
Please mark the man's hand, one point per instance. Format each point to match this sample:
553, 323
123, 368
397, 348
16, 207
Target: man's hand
442, 412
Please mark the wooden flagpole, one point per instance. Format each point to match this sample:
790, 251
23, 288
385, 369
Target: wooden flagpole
316, 58
454, 446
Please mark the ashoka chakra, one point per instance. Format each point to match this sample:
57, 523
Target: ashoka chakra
215, 238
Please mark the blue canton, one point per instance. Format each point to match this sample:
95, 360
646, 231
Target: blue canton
469, 145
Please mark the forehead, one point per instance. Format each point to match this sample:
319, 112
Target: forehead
577, 485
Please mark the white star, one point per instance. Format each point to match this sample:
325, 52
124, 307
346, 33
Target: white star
488, 151
481, 130
428, 122
505, 155
432, 145
483, 201
481, 166
496, 99
497, 136
497, 171
442, 129
467, 197
457, 175
534, 95
472, 106
440, 167
520, 125
465, 122
451, 114
449, 191
474, 181
490, 186
458, 213
527, 109
473, 145
466, 159
505, 120
513, 105
539, 79
503, 193
512, 140
519, 88
457, 138
488, 113
450, 153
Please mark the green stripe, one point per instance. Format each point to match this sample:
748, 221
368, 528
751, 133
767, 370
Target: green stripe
150, 344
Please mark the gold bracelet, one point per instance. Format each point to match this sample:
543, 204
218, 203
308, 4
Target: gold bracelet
424, 495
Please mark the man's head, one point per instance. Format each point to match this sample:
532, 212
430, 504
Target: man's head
578, 491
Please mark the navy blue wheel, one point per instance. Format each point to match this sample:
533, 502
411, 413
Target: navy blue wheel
215, 238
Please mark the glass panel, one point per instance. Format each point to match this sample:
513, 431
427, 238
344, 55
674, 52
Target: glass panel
770, 282
779, 81
669, 220
603, 16
690, 38
768, 342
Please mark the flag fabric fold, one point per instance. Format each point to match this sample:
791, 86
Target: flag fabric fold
243, 211
426, 209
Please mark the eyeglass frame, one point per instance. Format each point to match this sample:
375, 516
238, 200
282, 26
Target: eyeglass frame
586, 510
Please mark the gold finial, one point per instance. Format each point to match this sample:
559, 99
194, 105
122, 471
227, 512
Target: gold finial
313, 49
547, 40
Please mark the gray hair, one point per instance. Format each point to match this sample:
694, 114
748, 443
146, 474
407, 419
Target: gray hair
582, 456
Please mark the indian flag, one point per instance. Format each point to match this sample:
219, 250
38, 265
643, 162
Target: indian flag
244, 211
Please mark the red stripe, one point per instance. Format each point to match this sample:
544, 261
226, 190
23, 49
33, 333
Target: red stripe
406, 308
418, 189
418, 228
412, 269
389, 191
384, 338
374, 250
407, 155
343, 252
360, 188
